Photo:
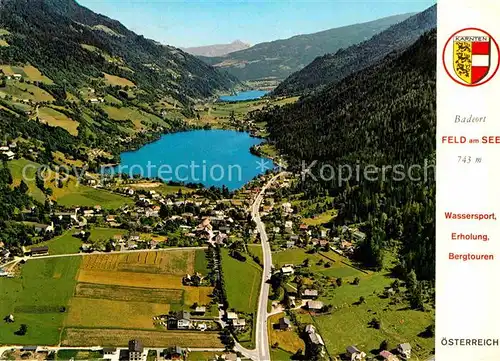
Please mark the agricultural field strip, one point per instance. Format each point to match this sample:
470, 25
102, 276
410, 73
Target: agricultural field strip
176, 263
120, 337
129, 294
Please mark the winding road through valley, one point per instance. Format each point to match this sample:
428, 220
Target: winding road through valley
262, 352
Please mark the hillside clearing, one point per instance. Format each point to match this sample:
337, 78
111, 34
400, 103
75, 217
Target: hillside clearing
56, 119
116, 80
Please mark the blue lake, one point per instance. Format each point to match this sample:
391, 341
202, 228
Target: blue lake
210, 157
246, 95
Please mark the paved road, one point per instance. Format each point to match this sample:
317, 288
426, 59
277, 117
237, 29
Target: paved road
262, 352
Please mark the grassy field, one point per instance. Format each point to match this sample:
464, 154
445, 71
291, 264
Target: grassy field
200, 262
174, 263
320, 218
38, 94
18, 107
399, 323
9, 110
79, 355
116, 80
73, 195
111, 99
136, 285
202, 356
56, 119
26, 91
288, 341
92, 312
242, 281
34, 74
64, 159
277, 354
103, 234
339, 266
161, 188
268, 150
256, 249
132, 294
64, 244
37, 299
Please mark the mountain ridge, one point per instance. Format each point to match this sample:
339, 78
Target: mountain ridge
280, 58
216, 49
334, 67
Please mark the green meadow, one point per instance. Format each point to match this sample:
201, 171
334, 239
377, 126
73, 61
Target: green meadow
242, 281
348, 324
39, 299
70, 194
327, 264
63, 244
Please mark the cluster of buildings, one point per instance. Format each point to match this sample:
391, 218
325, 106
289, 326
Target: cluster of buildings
185, 320
235, 321
308, 294
314, 339
8, 151
137, 352
197, 217
402, 352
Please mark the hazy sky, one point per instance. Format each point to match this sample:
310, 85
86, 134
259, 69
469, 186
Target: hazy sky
205, 22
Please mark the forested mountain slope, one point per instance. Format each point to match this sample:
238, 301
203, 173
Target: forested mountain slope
334, 67
70, 44
78, 83
381, 116
280, 58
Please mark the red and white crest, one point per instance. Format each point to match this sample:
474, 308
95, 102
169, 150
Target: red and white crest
471, 57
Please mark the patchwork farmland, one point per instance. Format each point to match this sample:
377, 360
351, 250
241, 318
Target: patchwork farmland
137, 286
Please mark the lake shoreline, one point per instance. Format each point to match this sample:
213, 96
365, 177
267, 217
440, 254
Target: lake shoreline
247, 95
225, 155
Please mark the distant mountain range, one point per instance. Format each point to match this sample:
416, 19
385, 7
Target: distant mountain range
280, 58
333, 67
217, 49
